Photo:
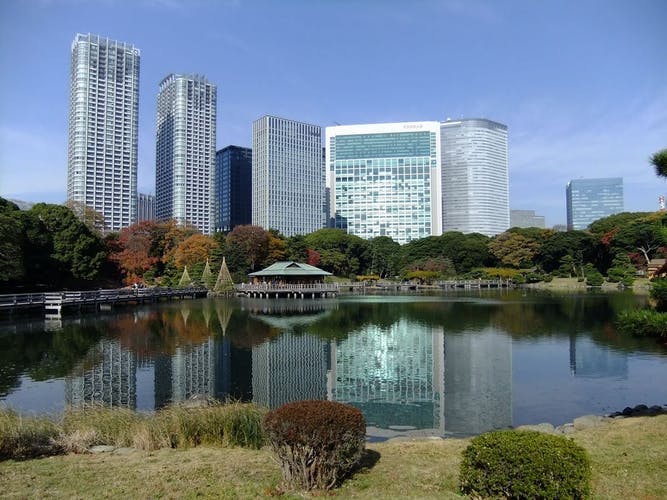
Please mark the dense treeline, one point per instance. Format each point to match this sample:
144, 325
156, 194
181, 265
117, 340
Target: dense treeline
49, 247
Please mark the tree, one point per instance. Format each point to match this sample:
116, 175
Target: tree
578, 246
513, 249
90, 217
276, 248
11, 252
195, 249
384, 256
659, 161
79, 250
132, 251
297, 250
341, 253
249, 245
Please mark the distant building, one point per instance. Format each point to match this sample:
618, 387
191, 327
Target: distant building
385, 179
287, 176
591, 199
475, 177
146, 207
185, 151
526, 218
233, 187
103, 128
560, 228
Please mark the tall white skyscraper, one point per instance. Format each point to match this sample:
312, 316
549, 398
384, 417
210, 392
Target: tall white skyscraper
384, 179
185, 151
103, 128
475, 177
287, 176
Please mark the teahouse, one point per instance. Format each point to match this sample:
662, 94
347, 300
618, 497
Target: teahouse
289, 278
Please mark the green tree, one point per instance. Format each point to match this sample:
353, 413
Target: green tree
578, 246
384, 256
297, 250
659, 161
341, 253
75, 246
513, 249
622, 270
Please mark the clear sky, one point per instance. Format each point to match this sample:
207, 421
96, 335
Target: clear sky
581, 84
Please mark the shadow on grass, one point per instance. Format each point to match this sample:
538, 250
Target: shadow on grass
367, 461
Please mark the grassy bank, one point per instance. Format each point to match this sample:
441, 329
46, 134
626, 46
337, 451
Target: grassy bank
628, 459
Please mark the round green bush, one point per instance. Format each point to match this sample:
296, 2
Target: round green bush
525, 464
317, 442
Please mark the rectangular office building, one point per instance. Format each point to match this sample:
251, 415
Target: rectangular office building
287, 176
384, 179
591, 199
233, 187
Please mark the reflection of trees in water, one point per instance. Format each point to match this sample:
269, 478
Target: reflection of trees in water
44, 355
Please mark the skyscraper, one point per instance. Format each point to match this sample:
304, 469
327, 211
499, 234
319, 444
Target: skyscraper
287, 176
146, 207
103, 126
233, 187
591, 199
185, 151
475, 177
385, 179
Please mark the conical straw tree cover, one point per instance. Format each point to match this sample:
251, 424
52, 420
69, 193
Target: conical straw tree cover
185, 279
207, 276
224, 282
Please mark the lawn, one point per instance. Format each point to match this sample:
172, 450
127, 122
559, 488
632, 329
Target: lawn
628, 459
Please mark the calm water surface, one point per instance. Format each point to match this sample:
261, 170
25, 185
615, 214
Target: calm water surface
454, 364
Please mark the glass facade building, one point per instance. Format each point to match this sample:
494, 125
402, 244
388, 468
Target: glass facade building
475, 177
384, 179
233, 187
287, 176
103, 128
185, 151
146, 207
591, 199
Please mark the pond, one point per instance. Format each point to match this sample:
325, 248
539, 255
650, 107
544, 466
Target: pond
459, 363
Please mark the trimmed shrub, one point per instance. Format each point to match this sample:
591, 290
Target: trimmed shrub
525, 464
317, 442
643, 323
26, 437
659, 293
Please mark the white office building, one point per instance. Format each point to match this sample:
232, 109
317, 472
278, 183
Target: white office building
475, 177
185, 151
384, 179
103, 127
287, 176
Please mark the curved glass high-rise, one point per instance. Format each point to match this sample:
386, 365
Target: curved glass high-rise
185, 151
475, 176
103, 128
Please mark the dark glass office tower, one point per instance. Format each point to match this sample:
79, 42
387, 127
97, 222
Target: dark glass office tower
233, 187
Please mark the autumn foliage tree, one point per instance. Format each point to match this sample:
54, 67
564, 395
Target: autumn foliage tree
195, 249
247, 245
133, 251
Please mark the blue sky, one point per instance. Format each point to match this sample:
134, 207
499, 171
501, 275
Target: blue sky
582, 85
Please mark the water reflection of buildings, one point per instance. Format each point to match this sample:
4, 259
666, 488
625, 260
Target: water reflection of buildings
588, 359
111, 380
395, 375
291, 367
478, 381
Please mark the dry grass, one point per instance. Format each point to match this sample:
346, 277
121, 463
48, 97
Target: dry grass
628, 462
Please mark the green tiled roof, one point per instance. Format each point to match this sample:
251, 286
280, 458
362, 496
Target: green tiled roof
290, 268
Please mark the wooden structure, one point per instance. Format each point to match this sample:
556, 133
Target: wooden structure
55, 303
288, 279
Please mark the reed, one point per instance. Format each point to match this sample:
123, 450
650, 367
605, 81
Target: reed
26, 437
